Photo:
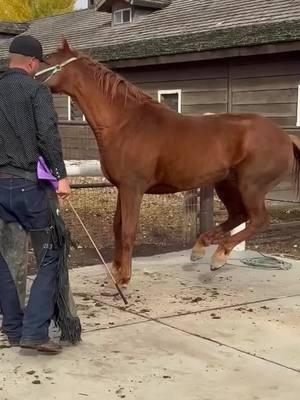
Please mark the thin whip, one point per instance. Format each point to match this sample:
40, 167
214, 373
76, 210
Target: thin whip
99, 254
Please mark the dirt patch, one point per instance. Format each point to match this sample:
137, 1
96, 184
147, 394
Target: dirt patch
162, 219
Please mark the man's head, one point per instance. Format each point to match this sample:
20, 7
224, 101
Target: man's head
26, 52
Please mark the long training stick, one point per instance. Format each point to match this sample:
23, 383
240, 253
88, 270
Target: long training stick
99, 254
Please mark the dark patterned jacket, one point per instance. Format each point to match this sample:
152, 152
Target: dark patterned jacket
28, 124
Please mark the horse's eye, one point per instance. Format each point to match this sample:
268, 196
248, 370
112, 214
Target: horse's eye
47, 57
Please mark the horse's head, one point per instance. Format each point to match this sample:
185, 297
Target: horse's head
56, 69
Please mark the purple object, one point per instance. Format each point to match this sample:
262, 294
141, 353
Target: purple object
44, 173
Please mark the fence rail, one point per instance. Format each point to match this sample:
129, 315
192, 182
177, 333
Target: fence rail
84, 168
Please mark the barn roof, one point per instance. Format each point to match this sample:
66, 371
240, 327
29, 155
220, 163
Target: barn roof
105, 5
12, 28
181, 27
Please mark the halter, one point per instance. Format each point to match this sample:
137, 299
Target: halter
55, 69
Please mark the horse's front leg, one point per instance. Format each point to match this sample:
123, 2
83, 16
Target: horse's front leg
117, 227
131, 199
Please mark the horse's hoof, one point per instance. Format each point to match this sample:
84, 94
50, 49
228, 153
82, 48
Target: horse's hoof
109, 283
196, 256
114, 276
198, 253
109, 292
217, 262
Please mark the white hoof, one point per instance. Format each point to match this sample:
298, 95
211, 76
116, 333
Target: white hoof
197, 253
217, 263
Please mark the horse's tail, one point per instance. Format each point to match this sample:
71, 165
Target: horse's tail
296, 168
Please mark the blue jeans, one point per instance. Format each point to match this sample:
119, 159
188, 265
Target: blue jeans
26, 202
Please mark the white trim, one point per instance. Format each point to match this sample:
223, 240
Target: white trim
298, 108
175, 91
82, 168
121, 11
241, 246
70, 111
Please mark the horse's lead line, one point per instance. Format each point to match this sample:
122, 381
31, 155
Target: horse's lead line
99, 254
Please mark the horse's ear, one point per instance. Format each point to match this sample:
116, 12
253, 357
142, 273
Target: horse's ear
65, 45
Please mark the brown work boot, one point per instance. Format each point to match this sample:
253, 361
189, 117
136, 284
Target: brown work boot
49, 347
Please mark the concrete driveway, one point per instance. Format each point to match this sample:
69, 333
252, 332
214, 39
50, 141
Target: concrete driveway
187, 334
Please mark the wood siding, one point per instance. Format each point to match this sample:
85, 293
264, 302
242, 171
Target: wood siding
61, 105
78, 142
203, 86
269, 87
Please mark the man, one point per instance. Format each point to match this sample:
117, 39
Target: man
28, 129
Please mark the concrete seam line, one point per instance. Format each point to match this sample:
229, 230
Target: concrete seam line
231, 347
159, 321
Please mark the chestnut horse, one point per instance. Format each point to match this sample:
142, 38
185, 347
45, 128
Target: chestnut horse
147, 148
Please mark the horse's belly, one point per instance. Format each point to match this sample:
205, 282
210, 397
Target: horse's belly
162, 189
183, 182
188, 183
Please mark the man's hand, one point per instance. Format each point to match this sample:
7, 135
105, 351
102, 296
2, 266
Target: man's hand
64, 189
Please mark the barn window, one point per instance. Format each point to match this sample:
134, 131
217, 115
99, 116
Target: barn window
74, 113
171, 98
122, 16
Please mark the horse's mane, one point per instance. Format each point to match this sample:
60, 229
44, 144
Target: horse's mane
110, 81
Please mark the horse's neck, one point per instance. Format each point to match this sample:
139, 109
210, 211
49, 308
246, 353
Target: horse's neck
100, 110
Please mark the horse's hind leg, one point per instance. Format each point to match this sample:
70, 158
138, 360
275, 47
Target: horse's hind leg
230, 196
256, 176
254, 201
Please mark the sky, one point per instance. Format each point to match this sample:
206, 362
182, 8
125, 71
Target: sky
81, 3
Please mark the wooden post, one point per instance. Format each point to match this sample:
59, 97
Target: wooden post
206, 208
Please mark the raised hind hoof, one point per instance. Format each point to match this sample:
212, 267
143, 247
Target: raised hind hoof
198, 253
218, 261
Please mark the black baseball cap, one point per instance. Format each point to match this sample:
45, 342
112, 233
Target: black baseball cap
27, 45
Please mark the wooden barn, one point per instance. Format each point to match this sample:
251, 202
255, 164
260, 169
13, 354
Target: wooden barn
197, 56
